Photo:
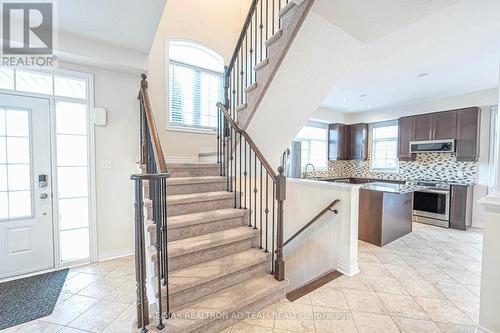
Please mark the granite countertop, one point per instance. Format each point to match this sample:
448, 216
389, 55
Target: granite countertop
392, 188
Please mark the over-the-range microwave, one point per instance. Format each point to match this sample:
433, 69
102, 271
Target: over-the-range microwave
435, 146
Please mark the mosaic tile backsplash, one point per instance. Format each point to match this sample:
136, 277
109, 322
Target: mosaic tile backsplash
433, 166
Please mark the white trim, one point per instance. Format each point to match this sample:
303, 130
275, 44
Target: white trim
171, 128
348, 270
482, 329
114, 254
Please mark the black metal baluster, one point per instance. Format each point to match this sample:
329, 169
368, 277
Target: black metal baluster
260, 208
274, 17
262, 42
250, 187
159, 254
165, 243
256, 44
255, 195
245, 174
279, 18
235, 167
272, 236
267, 210
241, 178
231, 159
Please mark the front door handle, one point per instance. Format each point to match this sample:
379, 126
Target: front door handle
44, 195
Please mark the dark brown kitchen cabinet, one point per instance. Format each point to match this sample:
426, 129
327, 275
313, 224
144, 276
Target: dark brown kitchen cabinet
347, 142
445, 125
406, 134
460, 207
424, 127
358, 141
468, 134
338, 142
436, 126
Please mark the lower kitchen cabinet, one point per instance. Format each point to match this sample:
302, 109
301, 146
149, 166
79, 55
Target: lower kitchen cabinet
461, 207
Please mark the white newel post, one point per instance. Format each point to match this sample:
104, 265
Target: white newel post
489, 314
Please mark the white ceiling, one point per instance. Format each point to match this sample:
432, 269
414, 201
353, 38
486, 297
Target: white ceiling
457, 42
129, 24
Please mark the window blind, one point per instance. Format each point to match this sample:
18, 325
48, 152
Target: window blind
194, 94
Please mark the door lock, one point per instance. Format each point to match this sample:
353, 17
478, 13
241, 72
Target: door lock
44, 195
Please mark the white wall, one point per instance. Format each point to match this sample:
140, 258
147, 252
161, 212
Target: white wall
478, 98
332, 242
118, 142
215, 24
308, 72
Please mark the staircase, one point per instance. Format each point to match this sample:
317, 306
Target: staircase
215, 266
209, 236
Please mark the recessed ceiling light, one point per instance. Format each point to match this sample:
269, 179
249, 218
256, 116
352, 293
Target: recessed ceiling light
422, 74
363, 95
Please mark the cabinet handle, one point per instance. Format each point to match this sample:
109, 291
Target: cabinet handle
430, 134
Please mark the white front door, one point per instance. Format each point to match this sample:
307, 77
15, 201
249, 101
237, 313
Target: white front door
26, 230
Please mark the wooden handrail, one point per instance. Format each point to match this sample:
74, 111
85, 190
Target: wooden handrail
153, 130
256, 150
314, 219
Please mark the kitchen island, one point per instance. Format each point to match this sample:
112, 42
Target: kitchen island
385, 212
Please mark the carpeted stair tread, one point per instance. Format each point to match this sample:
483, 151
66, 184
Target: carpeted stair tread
236, 298
203, 242
195, 180
198, 197
211, 270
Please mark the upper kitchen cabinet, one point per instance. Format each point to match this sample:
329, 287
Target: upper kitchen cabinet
358, 142
436, 126
468, 134
338, 148
406, 134
444, 126
347, 142
424, 126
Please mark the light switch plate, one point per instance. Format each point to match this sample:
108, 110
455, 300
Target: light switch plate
100, 117
106, 164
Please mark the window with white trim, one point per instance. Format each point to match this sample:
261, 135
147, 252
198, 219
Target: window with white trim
313, 138
385, 146
196, 85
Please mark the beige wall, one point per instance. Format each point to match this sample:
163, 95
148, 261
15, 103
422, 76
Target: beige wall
215, 24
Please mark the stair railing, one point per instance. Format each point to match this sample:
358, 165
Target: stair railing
262, 22
255, 184
155, 177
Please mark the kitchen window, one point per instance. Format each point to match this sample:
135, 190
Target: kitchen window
313, 138
196, 85
385, 147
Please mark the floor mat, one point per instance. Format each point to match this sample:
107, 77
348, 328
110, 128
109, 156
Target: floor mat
30, 298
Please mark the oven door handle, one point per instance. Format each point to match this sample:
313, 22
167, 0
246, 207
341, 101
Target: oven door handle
435, 191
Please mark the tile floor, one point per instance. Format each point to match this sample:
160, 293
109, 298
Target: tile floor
427, 281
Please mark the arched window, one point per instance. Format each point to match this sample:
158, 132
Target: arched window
196, 85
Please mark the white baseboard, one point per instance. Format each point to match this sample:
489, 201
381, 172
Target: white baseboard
481, 329
108, 255
348, 270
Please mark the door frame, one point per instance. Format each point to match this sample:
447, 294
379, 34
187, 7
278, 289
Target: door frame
89, 78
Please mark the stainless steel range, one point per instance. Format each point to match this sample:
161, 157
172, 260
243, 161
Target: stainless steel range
431, 205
